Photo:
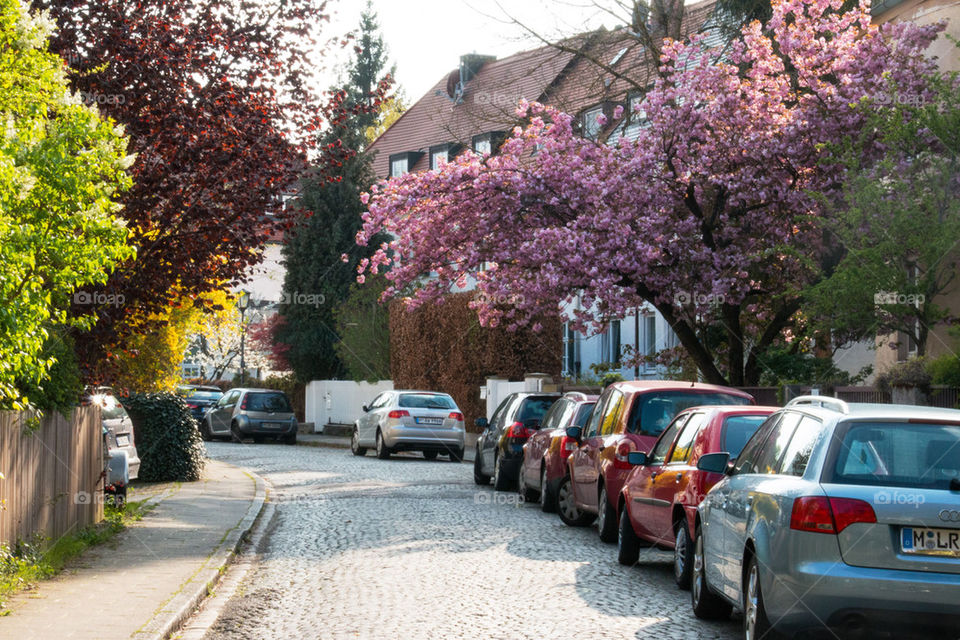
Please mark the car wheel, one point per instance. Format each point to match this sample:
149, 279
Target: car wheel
355, 447
205, 432
606, 518
628, 542
290, 439
456, 455
527, 494
683, 556
258, 439
706, 604
500, 480
383, 451
479, 477
548, 495
430, 455
756, 625
567, 508
235, 435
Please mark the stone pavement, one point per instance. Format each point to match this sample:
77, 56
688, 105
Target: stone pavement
343, 442
145, 582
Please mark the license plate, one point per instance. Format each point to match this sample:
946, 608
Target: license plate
273, 425
930, 542
429, 420
123, 441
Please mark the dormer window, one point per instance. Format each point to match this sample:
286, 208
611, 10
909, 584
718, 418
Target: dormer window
403, 163
488, 142
438, 156
590, 123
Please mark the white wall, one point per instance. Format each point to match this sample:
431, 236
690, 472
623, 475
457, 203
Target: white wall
265, 280
339, 401
498, 388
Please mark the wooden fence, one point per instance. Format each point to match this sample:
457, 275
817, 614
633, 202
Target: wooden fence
52, 475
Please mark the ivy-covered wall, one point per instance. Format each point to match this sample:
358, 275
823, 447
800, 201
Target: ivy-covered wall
442, 347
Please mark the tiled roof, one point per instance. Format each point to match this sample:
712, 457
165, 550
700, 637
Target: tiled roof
567, 79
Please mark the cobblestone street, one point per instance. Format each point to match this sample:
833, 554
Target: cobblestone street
406, 548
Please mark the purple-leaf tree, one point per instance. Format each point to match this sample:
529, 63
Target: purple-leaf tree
708, 216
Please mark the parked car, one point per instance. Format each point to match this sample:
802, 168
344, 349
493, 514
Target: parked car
410, 421
658, 503
122, 463
836, 516
544, 460
629, 416
253, 413
199, 398
500, 445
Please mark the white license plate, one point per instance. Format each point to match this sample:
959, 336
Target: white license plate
429, 420
273, 425
123, 441
930, 542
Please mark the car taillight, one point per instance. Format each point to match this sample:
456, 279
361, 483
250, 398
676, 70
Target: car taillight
398, 413
820, 514
456, 415
517, 430
621, 459
567, 444
243, 405
192, 405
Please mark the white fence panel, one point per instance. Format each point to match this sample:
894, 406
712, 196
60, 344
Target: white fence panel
339, 401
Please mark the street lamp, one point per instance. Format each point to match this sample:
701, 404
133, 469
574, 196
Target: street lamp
243, 303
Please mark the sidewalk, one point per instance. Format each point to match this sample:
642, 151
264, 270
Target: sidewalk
149, 579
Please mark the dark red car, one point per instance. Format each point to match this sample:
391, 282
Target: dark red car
658, 502
629, 416
545, 454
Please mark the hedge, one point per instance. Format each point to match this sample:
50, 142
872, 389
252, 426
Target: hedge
442, 347
167, 438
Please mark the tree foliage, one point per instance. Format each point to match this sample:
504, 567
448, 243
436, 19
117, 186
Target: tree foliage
62, 169
364, 329
708, 215
168, 440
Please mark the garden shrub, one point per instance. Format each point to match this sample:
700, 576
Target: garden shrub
945, 370
167, 437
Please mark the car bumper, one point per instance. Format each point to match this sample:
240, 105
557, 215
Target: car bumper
400, 437
258, 428
876, 602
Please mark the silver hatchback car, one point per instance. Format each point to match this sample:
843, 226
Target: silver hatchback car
410, 421
836, 519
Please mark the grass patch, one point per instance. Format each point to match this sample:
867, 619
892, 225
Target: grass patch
27, 563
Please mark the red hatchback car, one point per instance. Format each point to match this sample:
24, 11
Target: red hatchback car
629, 416
658, 503
545, 453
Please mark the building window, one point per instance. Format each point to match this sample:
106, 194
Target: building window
571, 351
649, 335
482, 144
610, 342
399, 167
438, 158
590, 124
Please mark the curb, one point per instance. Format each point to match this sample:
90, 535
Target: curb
169, 619
316, 443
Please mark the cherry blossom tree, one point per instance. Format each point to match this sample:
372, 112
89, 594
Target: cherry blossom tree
708, 215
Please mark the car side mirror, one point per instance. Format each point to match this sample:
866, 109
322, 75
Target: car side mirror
575, 433
365, 408
481, 423
714, 462
637, 458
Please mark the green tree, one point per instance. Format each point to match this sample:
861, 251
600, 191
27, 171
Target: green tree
317, 271
61, 168
364, 328
898, 223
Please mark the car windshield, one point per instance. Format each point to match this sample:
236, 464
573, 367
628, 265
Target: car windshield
897, 454
200, 394
737, 430
653, 411
110, 407
534, 408
583, 414
271, 402
426, 401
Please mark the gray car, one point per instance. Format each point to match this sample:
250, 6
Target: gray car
410, 421
837, 519
251, 413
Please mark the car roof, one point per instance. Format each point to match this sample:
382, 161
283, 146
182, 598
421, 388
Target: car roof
432, 393
733, 409
199, 387
870, 410
580, 396
673, 385
257, 389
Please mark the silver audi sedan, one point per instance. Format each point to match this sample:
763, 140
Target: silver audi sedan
423, 421
836, 519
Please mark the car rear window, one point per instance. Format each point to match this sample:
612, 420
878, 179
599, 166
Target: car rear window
205, 395
737, 430
897, 454
272, 402
652, 412
534, 407
426, 401
110, 408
